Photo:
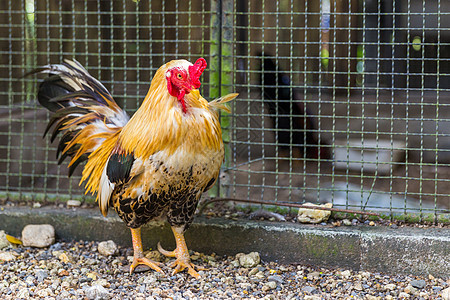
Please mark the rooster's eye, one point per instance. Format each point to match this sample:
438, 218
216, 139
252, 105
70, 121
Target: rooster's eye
179, 76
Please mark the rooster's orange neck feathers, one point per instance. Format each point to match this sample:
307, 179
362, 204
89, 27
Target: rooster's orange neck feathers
162, 124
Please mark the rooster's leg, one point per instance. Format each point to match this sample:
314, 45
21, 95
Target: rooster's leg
138, 257
183, 260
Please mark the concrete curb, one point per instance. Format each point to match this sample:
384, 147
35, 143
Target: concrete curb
406, 250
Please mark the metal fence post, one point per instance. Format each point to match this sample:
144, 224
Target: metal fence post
221, 65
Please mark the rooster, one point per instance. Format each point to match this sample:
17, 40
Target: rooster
159, 161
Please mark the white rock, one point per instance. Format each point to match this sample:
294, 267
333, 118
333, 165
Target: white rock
271, 285
107, 248
410, 289
312, 297
44, 293
446, 294
347, 222
39, 236
313, 276
253, 271
346, 273
390, 286
306, 215
23, 293
6, 256
73, 203
403, 295
97, 292
64, 295
248, 260
3, 241
102, 282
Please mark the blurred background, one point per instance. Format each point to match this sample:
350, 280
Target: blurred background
341, 101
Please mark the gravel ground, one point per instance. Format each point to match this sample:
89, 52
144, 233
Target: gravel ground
78, 271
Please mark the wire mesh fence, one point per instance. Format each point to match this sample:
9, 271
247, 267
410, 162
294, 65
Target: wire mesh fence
340, 101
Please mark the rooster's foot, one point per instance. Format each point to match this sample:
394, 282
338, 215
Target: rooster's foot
183, 261
145, 261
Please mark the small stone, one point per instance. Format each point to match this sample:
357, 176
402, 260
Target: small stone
73, 203
63, 272
271, 285
36, 205
253, 271
248, 260
390, 286
403, 295
312, 297
446, 294
30, 280
336, 224
365, 274
97, 292
437, 288
107, 248
358, 286
41, 275
346, 273
423, 294
3, 240
306, 215
195, 257
39, 236
313, 276
7, 256
102, 282
283, 268
44, 293
64, 258
235, 263
419, 284
371, 223
92, 275
22, 294
309, 289
347, 222
275, 278
156, 256
84, 279
410, 289
64, 295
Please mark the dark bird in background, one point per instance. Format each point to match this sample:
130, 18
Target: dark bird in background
293, 122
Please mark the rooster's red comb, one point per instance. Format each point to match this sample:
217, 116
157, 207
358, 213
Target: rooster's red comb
196, 70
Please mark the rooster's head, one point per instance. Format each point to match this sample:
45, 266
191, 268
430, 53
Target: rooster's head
184, 77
